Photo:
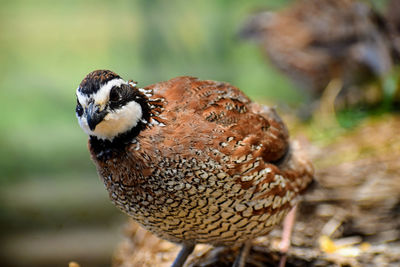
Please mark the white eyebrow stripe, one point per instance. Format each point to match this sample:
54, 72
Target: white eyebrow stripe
81, 98
101, 96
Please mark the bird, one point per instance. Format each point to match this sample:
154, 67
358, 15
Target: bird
316, 41
193, 161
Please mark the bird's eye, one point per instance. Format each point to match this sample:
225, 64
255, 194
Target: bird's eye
114, 94
79, 109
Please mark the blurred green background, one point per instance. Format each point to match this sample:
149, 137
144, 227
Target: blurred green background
53, 208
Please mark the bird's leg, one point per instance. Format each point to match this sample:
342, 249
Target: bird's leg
240, 260
325, 114
182, 255
286, 234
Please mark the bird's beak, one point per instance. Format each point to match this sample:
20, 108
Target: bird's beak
94, 116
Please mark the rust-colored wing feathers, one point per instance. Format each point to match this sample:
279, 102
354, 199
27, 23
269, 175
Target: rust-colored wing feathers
249, 138
215, 107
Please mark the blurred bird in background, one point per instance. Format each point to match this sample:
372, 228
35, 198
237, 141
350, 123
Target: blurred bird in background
317, 41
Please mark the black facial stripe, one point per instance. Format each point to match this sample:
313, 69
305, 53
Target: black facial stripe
115, 94
95, 80
120, 96
127, 94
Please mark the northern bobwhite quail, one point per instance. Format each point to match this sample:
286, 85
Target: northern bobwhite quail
316, 41
192, 161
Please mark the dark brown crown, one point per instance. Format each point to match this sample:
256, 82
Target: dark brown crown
94, 80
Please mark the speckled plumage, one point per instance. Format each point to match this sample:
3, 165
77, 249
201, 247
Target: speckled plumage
207, 165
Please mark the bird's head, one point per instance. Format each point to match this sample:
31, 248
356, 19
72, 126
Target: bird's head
256, 27
108, 106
